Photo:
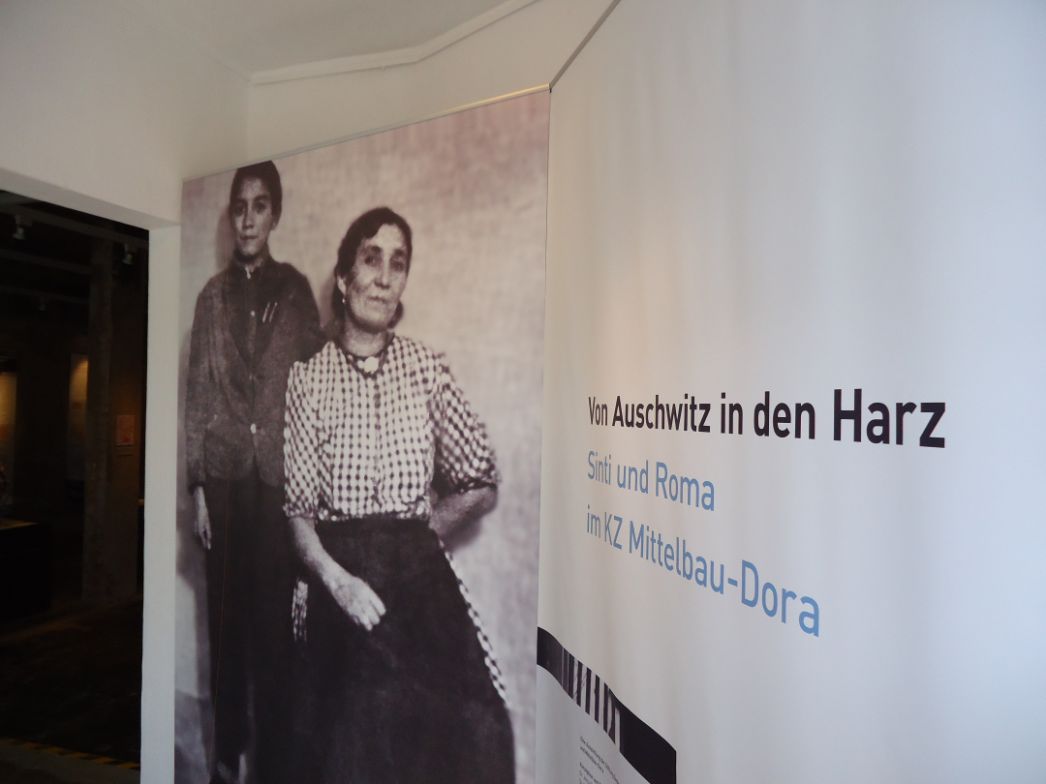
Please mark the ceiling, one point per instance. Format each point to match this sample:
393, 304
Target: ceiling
275, 40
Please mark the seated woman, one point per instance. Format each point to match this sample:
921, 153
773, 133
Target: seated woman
397, 682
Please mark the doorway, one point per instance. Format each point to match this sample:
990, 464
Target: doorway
73, 308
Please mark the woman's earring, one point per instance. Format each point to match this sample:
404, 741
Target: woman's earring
342, 287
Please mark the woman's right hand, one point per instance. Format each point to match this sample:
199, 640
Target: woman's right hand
300, 610
356, 599
203, 519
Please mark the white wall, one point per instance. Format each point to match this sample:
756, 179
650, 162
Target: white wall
520, 51
103, 113
100, 107
160, 506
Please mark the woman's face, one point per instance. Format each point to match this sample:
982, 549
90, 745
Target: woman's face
377, 279
252, 219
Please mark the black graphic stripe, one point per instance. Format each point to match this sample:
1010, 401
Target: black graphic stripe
652, 756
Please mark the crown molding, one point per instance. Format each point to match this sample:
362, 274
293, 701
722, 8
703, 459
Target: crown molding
392, 57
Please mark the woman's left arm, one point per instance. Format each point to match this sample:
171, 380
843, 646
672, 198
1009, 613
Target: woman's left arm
465, 464
453, 512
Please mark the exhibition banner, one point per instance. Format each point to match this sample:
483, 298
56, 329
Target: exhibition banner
360, 457
790, 516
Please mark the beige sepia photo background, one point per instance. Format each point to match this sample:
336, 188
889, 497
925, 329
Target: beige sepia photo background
473, 187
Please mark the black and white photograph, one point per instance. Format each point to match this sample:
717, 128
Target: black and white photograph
359, 457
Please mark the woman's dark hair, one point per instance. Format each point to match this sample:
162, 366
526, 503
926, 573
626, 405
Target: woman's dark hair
270, 177
363, 228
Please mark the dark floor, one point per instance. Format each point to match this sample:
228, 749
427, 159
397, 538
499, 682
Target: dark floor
74, 681
12, 774
22, 765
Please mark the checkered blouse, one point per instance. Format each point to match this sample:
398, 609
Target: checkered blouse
373, 437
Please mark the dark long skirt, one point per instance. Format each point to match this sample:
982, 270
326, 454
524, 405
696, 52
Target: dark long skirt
412, 700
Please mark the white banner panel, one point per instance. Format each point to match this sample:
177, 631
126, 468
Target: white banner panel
793, 450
